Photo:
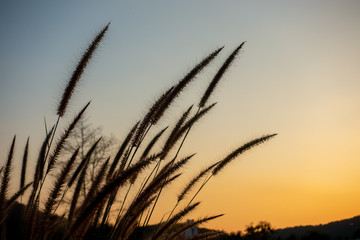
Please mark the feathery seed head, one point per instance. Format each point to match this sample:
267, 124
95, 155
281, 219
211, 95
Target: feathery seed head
240, 150
219, 75
6, 177
79, 70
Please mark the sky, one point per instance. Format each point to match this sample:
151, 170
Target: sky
297, 75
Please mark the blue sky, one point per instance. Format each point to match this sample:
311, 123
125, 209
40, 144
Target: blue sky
298, 75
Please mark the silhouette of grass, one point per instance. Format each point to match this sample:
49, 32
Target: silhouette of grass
83, 216
79, 70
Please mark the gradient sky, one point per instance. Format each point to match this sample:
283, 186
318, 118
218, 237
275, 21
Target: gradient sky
298, 76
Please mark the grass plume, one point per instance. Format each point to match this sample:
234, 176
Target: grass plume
247, 146
59, 184
193, 181
81, 180
121, 150
219, 75
23, 165
6, 178
182, 84
175, 219
79, 70
63, 138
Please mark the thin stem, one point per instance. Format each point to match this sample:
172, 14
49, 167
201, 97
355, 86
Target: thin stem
204, 183
187, 132
155, 169
42, 178
110, 201
153, 208
147, 219
132, 157
159, 224
51, 140
62, 197
46, 129
142, 139
123, 203
172, 211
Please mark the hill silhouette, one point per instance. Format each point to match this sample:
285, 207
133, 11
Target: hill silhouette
343, 229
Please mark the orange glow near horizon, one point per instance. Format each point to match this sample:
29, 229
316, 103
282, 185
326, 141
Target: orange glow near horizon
297, 76
287, 181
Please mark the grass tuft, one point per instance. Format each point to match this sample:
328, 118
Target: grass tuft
140, 170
